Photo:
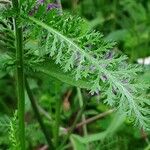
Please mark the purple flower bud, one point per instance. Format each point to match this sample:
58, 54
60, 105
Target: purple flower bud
52, 6
41, 2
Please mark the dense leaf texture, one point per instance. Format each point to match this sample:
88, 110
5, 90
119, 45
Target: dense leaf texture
85, 55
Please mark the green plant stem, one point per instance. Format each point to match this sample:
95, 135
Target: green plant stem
57, 122
83, 115
73, 125
37, 114
19, 74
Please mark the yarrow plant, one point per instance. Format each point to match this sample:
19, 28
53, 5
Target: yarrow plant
64, 47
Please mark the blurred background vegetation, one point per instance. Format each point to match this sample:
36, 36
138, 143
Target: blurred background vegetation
128, 23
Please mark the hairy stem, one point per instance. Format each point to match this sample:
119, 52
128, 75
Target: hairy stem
37, 114
19, 74
57, 121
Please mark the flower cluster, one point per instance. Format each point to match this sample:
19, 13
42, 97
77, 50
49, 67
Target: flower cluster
39, 3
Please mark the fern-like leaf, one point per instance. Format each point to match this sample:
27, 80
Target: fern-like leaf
98, 67
86, 55
13, 133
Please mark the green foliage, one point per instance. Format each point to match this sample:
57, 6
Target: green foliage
34, 135
114, 125
4, 128
66, 48
4, 123
13, 133
89, 56
77, 145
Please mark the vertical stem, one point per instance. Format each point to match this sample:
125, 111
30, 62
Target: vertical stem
19, 74
58, 102
37, 114
57, 121
83, 115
